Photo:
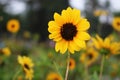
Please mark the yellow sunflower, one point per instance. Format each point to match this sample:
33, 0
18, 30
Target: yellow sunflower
6, 51
68, 30
13, 25
89, 57
106, 46
53, 76
116, 23
72, 64
27, 65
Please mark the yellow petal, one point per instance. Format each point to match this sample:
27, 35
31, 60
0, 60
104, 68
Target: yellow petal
62, 45
83, 36
54, 35
53, 26
76, 47
57, 38
107, 42
100, 40
71, 48
96, 44
83, 25
57, 46
58, 19
80, 43
75, 16
66, 14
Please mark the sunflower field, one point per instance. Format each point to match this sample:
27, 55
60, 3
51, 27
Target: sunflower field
59, 40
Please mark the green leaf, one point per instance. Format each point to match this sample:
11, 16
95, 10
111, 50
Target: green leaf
94, 76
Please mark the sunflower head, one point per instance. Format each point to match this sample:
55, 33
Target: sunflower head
116, 23
27, 65
13, 25
53, 76
68, 30
72, 64
106, 46
26, 62
89, 57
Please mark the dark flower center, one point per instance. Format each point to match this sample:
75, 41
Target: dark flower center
70, 64
12, 25
26, 66
56, 78
89, 56
68, 31
118, 23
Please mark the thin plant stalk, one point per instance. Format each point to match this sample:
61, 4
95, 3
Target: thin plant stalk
86, 71
67, 70
16, 74
101, 67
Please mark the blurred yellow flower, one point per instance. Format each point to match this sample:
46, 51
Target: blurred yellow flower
111, 37
50, 55
100, 12
72, 64
89, 57
6, 51
115, 66
26, 34
115, 69
113, 74
116, 23
68, 30
27, 65
106, 46
13, 25
53, 76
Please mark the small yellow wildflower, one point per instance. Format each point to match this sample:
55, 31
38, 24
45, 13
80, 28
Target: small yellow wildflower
27, 65
72, 64
6, 51
116, 23
89, 57
53, 76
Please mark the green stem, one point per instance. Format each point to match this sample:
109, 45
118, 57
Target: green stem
86, 72
67, 70
14, 77
101, 67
